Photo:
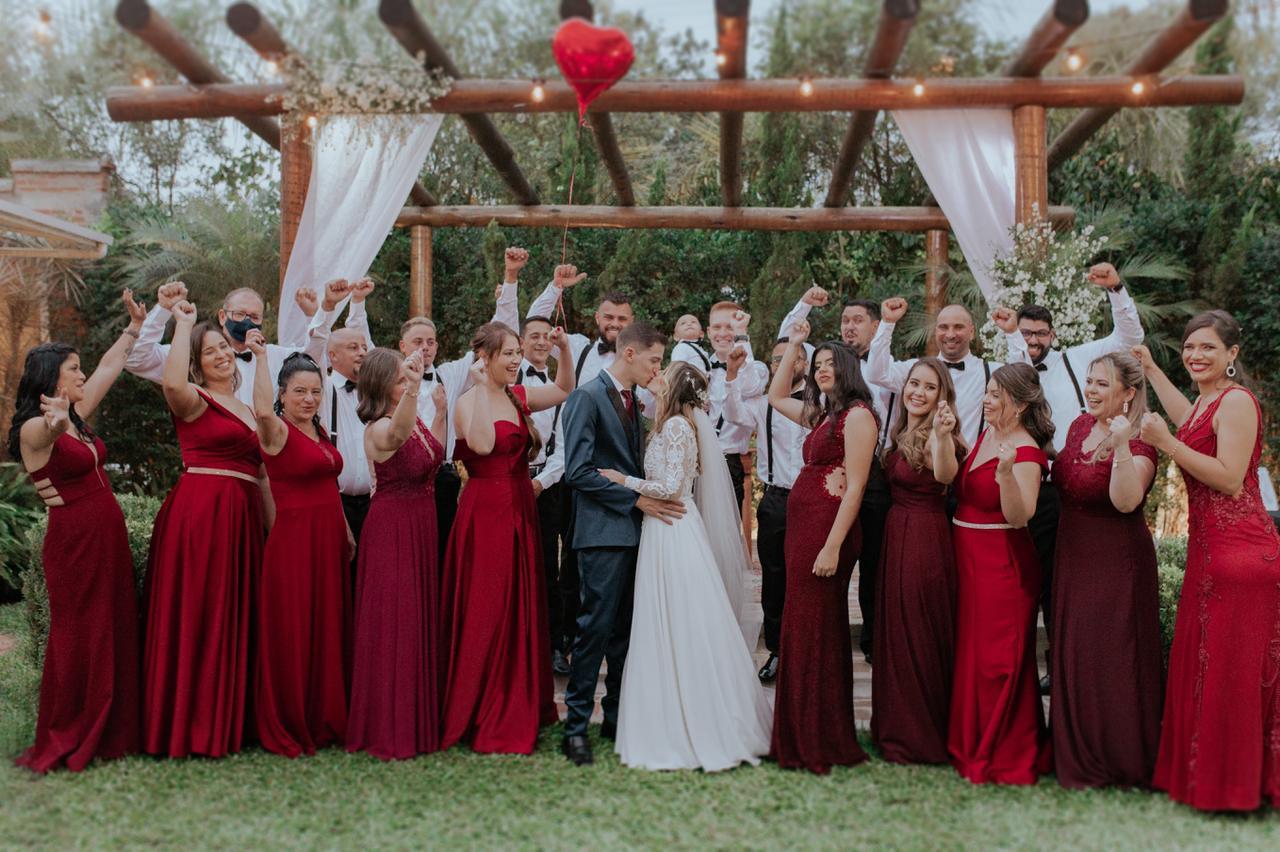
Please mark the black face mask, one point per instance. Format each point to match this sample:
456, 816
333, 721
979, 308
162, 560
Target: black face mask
239, 329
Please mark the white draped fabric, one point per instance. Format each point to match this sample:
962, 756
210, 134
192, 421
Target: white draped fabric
362, 169
967, 159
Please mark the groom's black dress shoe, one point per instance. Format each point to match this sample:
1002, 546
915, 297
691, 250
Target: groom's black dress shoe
578, 750
609, 730
1046, 685
769, 671
559, 663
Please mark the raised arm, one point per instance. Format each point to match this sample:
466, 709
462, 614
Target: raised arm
1177, 406
507, 308
814, 297
1131, 475
386, 435
1006, 319
1019, 486
1236, 425
113, 360
942, 445
780, 387
358, 313
880, 368
38, 434
1126, 329
860, 436
736, 410
579, 448
184, 401
474, 416
549, 396
272, 432
146, 359
440, 420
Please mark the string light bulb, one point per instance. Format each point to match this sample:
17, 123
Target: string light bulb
918, 89
806, 86
1074, 60
1138, 87
721, 59
312, 121
538, 93
273, 67
145, 81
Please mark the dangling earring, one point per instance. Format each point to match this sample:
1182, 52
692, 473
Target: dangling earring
1231, 369
1126, 407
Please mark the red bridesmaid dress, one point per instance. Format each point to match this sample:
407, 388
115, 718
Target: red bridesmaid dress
499, 686
997, 731
206, 553
304, 607
1220, 747
89, 691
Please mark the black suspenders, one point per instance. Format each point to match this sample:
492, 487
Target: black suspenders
888, 418
986, 376
768, 436
582, 362
706, 362
1075, 383
551, 441
333, 411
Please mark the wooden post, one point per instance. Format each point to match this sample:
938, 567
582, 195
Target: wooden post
936, 279
295, 175
1031, 185
420, 271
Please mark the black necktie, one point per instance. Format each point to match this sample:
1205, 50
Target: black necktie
604, 347
955, 365
349, 386
534, 371
718, 365
1041, 367
245, 356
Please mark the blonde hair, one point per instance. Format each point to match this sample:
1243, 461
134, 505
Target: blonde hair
1123, 371
913, 442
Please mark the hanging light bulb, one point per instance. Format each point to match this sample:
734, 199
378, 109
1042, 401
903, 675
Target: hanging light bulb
806, 86
538, 93
1138, 87
1074, 60
918, 89
273, 67
312, 121
145, 81
721, 59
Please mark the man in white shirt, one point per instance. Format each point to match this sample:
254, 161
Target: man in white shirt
547, 471
612, 316
419, 334
779, 457
242, 309
727, 329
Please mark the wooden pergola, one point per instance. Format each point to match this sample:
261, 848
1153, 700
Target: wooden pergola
1020, 87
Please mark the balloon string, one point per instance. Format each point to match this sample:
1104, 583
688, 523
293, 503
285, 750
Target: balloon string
560, 316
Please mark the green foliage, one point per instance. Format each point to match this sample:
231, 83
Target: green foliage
139, 518
20, 510
1171, 562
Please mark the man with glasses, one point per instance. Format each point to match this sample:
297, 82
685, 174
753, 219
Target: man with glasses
1062, 376
242, 310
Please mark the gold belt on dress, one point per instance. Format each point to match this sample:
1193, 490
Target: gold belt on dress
970, 526
217, 471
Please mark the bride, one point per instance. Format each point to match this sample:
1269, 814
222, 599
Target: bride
690, 696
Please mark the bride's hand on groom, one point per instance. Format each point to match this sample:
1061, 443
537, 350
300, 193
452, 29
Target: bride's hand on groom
613, 476
667, 511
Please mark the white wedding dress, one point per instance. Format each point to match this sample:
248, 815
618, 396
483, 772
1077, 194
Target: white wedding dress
690, 695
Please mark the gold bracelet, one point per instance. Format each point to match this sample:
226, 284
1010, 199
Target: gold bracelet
1173, 453
414, 395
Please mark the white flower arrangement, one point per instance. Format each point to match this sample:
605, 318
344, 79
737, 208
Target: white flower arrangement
1050, 269
359, 88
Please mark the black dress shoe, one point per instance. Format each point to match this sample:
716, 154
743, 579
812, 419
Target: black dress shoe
1045, 685
609, 730
769, 671
559, 663
578, 750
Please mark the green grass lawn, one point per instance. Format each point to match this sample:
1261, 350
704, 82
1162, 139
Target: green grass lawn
461, 799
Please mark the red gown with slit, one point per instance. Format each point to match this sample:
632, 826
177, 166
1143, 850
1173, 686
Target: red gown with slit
89, 691
304, 606
206, 556
499, 683
997, 732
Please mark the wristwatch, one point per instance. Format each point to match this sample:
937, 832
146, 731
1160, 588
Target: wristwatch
741, 338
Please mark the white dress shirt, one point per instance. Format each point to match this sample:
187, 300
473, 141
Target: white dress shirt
779, 439
338, 416
752, 382
691, 352
970, 382
550, 426
1064, 372
148, 356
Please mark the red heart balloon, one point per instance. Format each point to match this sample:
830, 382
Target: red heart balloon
591, 58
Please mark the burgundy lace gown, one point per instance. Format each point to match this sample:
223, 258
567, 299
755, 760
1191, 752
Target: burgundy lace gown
915, 620
1108, 663
396, 674
1220, 747
89, 692
813, 725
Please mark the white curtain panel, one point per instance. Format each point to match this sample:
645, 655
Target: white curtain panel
361, 172
966, 157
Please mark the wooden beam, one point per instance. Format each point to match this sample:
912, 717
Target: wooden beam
1161, 50
601, 123
1057, 25
1031, 174
403, 21
295, 175
732, 21
420, 255
692, 218
896, 19
53, 253
154, 29
133, 103
255, 30
936, 279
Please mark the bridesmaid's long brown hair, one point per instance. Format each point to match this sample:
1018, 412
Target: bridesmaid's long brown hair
912, 443
488, 342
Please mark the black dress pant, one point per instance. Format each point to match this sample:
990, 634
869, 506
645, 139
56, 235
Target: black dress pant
1043, 527
872, 517
737, 475
604, 633
562, 590
448, 487
771, 537
355, 507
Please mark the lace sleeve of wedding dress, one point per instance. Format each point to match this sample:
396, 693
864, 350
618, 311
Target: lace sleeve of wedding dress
666, 461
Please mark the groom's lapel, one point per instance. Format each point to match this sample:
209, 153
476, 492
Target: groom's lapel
619, 408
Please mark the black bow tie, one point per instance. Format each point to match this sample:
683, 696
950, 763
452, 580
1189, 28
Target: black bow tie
1041, 367
604, 347
349, 386
245, 356
534, 371
428, 377
867, 354
954, 365
718, 365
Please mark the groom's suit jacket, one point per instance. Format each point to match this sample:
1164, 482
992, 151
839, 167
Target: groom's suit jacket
599, 434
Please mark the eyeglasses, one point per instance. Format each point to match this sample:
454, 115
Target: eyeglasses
237, 316
1041, 334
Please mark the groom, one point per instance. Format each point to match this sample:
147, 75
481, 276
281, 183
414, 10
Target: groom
602, 429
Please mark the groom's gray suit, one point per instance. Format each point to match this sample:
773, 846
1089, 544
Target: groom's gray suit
600, 433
